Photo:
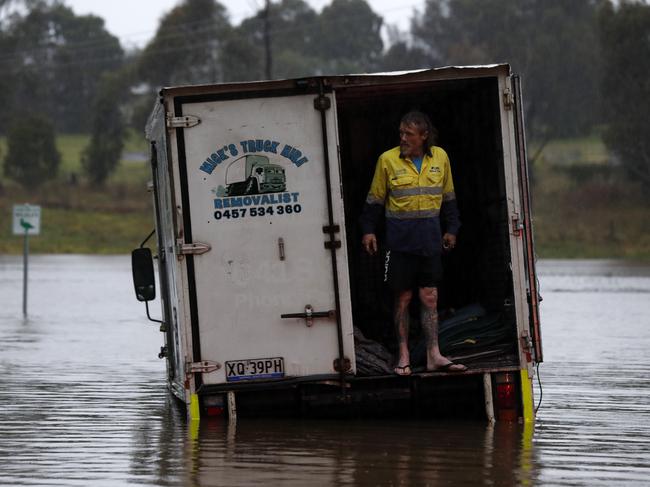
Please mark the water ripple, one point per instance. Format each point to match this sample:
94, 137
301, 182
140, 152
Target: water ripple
83, 399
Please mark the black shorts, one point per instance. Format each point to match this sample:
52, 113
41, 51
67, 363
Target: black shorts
406, 271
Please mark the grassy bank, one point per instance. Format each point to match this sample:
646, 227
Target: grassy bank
583, 207
77, 218
83, 232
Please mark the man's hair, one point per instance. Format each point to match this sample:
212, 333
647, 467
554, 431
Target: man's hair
423, 123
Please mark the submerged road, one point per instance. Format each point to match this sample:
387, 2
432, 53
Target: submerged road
83, 399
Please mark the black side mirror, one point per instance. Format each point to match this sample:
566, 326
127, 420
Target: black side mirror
143, 275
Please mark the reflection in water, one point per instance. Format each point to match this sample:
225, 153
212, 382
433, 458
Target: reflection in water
359, 453
83, 400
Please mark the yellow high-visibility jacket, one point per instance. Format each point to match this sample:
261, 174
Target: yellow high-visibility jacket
413, 202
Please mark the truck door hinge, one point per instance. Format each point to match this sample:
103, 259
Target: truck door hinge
194, 248
183, 122
202, 367
517, 225
508, 99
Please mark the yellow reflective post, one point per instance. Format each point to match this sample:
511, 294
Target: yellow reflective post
195, 411
527, 397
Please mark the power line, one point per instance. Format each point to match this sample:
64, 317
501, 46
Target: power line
177, 31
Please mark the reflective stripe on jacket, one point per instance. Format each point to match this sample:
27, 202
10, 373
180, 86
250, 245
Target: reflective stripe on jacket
412, 202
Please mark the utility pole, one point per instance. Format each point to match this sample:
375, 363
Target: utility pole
268, 71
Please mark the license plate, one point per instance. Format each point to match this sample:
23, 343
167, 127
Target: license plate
252, 369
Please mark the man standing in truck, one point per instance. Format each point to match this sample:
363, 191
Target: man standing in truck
413, 186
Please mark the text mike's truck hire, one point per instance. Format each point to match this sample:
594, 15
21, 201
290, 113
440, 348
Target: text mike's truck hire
269, 303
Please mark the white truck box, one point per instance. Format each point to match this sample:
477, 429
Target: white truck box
258, 188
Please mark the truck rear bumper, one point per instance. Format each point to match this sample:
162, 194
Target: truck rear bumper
433, 394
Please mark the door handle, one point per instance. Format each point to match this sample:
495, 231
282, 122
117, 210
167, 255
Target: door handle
309, 314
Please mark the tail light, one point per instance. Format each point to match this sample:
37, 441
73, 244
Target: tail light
506, 400
215, 411
215, 405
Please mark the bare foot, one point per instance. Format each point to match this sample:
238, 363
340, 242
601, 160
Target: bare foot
403, 369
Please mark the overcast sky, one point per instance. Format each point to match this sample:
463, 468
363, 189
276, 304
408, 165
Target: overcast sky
135, 21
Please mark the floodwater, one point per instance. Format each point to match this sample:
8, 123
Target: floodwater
83, 398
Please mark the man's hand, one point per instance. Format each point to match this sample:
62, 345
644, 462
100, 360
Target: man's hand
369, 243
448, 241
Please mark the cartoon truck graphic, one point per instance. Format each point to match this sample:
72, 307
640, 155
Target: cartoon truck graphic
254, 174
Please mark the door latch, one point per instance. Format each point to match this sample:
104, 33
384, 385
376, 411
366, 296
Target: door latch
309, 314
333, 243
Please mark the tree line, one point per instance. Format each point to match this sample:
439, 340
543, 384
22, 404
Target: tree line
585, 65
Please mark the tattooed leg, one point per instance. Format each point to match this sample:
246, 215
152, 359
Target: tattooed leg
429, 317
429, 320
402, 326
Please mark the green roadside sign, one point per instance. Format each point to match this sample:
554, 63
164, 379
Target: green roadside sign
26, 220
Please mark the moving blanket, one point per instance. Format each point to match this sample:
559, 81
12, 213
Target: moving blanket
469, 334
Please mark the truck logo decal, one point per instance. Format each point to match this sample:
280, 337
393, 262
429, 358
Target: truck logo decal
253, 185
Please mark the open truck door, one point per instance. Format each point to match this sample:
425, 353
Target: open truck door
525, 227
267, 276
